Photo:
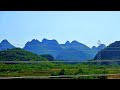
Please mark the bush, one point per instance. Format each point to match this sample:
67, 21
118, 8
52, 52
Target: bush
62, 72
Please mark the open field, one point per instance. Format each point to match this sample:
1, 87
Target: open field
58, 70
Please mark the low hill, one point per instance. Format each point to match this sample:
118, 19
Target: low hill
18, 54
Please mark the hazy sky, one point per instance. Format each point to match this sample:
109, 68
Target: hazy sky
86, 27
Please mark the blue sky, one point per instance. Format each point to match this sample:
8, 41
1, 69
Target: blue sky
86, 27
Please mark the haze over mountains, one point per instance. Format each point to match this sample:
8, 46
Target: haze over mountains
67, 51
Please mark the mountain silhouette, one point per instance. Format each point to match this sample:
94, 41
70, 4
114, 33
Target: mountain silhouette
79, 47
67, 51
51, 47
111, 52
4, 45
97, 49
77, 50
67, 43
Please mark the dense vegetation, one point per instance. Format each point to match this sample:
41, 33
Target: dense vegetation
18, 54
56, 69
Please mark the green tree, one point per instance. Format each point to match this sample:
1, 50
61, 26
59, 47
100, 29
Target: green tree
62, 72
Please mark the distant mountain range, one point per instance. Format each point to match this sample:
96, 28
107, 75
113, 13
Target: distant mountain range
51, 47
67, 51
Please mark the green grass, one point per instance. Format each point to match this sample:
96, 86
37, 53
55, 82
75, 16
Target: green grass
54, 69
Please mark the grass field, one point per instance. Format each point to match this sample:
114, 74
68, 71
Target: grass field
66, 71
